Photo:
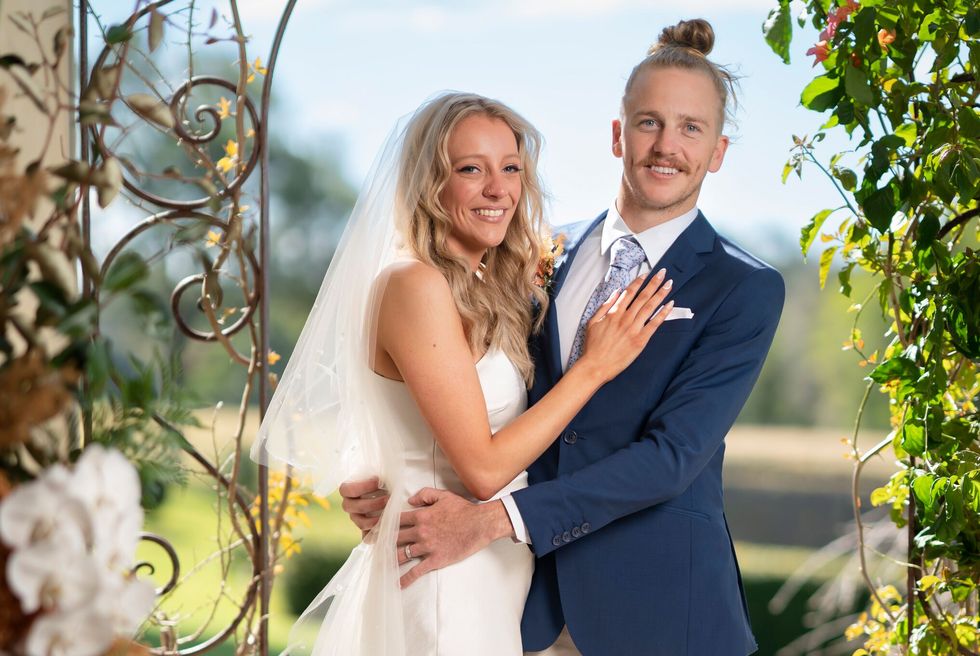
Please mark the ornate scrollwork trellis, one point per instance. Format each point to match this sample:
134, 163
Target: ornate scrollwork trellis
254, 532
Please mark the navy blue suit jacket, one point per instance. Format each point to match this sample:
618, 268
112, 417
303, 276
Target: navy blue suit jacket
625, 509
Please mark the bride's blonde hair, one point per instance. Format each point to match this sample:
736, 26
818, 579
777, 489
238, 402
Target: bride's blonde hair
496, 305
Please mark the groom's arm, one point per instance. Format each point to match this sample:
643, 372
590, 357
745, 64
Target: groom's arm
682, 433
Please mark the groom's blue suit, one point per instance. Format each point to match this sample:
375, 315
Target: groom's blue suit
625, 510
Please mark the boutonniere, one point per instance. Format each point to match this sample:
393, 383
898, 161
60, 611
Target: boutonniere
552, 248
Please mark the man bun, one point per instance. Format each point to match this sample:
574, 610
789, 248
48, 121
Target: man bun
695, 34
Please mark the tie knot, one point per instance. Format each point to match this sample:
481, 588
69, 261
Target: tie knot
627, 253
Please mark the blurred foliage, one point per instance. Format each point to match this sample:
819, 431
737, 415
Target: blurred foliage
50, 336
900, 79
308, 573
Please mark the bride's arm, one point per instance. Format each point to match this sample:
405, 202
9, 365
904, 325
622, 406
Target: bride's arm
421, 331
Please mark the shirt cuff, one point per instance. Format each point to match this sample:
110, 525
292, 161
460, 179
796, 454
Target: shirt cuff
520, 530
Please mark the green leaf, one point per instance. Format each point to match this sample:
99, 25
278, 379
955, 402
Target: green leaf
826, 258
126, 271
778, 30
844, 277
894, 368
972, 22
927, 231
913, 440
969, 123
80, 320
922, 488
857, 86
118, 34
879, 207
821, 94
847, 177
907, 131
928, 27
879, 496
810, 230
97, 366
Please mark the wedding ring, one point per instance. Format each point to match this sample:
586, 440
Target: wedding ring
408, 552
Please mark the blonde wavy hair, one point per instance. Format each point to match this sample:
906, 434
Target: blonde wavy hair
496, 305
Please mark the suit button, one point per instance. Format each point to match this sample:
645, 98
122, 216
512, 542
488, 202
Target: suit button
576, 532
566, 537
571, 437
586, 527
556, 540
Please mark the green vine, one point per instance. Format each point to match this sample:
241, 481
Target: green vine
899, 79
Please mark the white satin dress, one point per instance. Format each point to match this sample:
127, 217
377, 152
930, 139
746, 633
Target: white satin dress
474, 607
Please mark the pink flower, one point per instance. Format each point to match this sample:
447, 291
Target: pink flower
836, 17
845, 11
886, 38
820, 51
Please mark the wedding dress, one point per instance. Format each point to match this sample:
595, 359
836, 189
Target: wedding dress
474, 607
332, 419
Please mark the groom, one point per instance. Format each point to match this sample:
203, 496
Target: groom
624, 512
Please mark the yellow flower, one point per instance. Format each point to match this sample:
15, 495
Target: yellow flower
258, 67
213, 238
224, 108
274, 357
226, 164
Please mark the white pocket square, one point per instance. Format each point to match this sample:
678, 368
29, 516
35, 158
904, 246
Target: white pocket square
679, 313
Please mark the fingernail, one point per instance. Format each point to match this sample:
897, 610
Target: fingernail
669, 284
662, 272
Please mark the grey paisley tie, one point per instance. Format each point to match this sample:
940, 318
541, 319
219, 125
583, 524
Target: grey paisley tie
627, 255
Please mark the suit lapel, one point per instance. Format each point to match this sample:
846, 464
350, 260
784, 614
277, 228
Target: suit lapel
552, 347
683, 259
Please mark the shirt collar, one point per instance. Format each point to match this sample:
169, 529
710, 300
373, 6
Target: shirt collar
615, 227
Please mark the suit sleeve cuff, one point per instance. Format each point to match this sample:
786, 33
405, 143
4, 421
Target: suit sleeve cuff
520, 530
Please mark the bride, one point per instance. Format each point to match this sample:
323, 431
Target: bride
413, 367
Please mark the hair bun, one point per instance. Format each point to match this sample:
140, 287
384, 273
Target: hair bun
696, 34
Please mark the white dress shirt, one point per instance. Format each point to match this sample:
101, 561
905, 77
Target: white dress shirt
588, 269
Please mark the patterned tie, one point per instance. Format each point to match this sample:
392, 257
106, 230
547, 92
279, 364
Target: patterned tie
627, 255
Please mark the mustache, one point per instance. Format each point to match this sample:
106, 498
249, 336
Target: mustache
661, 162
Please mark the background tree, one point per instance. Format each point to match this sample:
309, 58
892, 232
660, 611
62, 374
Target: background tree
899, 78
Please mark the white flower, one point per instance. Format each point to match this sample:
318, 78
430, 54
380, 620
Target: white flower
109, 487
80, 632
41, 511
49, 575
125, 603
73, 538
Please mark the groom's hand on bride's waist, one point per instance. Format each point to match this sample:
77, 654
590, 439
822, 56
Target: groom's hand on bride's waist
446, 529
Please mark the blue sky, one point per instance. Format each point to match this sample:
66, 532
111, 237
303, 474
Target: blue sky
350, 68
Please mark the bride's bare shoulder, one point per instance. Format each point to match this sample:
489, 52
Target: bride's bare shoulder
416, 285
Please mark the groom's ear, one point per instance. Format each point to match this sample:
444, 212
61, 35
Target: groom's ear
718, 155
617, 138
